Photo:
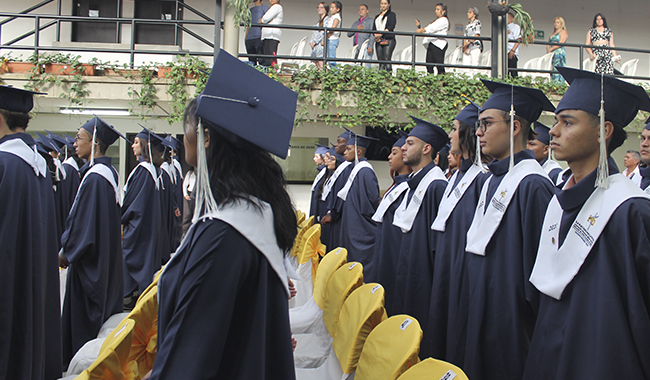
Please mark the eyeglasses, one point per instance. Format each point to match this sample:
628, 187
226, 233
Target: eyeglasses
484, 124
77, 138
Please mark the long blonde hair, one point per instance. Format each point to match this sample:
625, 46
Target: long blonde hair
561, 22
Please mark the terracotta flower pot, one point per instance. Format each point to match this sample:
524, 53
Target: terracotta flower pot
15, 67
59, 69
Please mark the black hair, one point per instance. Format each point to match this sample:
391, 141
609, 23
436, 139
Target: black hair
618, 135
604, 20
15, 119
364, 5
443, 159
237, 174
339, 5
467, 139
525, 124
444, 8
327, 12
102, 147
387, 11
156, 156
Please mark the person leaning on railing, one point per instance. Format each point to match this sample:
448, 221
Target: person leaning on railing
386, 20
436, 47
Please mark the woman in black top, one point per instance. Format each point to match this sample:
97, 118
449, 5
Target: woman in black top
385, 43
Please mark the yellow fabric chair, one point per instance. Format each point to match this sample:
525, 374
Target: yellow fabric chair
361, 312
433, 369
145, 334
300, 216
330, 263
113, 361
390, 349
343, 282
302, 229
312, 249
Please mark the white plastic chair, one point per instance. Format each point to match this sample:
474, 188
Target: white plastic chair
546, 62
350, 55
403, 55
629, 68
589, 65
532, 64
455, 57
290, 63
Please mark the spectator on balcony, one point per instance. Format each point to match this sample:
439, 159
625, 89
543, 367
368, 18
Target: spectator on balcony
271, 36
317, 35
333, 37
601, 35
386, 20
472, 48
559, 35
514, 33
363, 23
254, 33
436, 47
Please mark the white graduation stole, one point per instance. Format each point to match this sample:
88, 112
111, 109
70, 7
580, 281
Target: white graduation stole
150, 168
550, 165
559, 177
178, 167
330, 182
406, 213
485, 224
343, 193
555, 267
19, 148
60, 172
320, 175
105, 172
166, 167
449, 202
647, 190
389, 198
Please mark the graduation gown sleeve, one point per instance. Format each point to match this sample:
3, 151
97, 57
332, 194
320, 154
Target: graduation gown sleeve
223, 311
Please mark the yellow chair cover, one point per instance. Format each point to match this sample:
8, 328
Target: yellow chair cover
145, 333
311, 249
300, 216
302, 229
390, 349
433, 369
330, 263
345, 280
361, 312
113, 360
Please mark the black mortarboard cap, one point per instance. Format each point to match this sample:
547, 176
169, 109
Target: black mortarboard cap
60, 141
528, 102
647, 124
320, 149
106, 133
429, 133
156, 140
541, 133
345, 135
360, 140
248, 105
173, 142
622, 100
17, 100
401, 140
69, 141
469, 114
46, 143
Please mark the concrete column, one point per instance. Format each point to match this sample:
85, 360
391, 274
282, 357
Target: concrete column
230, 30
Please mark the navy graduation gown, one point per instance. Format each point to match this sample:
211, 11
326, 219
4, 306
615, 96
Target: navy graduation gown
382, 268
93, 246
168, 219
314, 199
319, 208
141, 218
502, 304
416, 254
450, 289
223, 311
334, 205
600, 328
30, 309
67, 190
357, 226
645, 177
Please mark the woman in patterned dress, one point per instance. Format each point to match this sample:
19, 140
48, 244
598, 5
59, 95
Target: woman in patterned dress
559, 35
601, 35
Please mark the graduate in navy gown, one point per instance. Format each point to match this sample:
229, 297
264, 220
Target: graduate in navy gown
414, 216
445, 332
143, 243
383, 265
644, 169
360, 196
321, 171
333, 185
30, 309
592, 264
69, 180
169, 209
503, 237
224, 295
540, 147
49, 151
177, 170
91, 246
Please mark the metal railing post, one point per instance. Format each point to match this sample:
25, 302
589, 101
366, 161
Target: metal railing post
325, 47
37, 27
413, 52
58, 21
582, 58
132, 45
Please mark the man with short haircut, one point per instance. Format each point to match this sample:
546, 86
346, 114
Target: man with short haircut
592, 263
631, 163
91, 246
414, 217
30, 309
503, 237
539, 146
253, 39
360, 198
362, 23
645, 158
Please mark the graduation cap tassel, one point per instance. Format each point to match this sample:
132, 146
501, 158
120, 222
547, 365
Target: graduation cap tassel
92, 149
356, 155
512, 127
602, 174
204, 199
477, 160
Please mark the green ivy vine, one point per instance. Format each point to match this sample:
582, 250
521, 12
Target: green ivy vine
73, 84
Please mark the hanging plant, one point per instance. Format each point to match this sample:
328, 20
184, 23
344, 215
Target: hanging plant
242, 13
525, 22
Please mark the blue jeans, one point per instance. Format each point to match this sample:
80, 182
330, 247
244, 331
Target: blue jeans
331, 50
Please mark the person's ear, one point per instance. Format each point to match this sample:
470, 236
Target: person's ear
206, 135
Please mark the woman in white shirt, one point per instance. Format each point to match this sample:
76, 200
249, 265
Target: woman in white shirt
436, 47
334, 21
271, 36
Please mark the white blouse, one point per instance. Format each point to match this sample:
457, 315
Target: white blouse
273, 16
440, 26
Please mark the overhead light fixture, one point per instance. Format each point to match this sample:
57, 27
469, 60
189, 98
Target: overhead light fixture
97, 112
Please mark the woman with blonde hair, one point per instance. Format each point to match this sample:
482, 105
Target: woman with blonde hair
559, 35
